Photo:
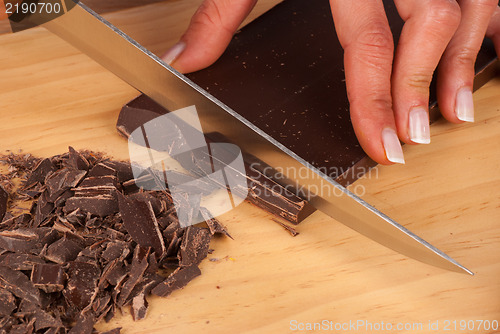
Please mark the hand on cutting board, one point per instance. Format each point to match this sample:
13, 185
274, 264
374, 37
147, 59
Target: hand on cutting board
388, 89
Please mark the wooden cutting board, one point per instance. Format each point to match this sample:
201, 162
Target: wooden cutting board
265, 281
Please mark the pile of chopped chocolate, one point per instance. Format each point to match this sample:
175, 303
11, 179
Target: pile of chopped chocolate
90, 244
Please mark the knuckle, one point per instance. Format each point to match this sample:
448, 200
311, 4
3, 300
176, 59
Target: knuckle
375, 37
444, 13
465, 57
419, 80
209, 14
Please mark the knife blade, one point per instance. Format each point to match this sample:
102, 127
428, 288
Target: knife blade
117, 52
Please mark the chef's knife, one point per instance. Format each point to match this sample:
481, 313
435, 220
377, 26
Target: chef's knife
118, 53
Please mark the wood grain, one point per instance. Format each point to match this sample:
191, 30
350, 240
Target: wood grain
51, 96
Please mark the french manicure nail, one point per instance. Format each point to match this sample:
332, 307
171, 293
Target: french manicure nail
419, 130
392, 146
464, 105
173, 53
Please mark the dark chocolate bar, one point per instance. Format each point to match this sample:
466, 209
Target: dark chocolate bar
284, 73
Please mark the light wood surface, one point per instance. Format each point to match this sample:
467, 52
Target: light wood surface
52, 96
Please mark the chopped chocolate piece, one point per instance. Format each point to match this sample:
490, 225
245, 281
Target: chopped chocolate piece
76, 160
63, 250
61, 200
140, 222
48, 277
4, 197
194, 246
25, 240
139, 306
148, 198
63, 225
123, 170
43, 319
114, 273
81, 288
21, 261
102, 170
43, 209
84, 323
42, 169
137, 269
213, 224
19, 284
116, 249
23, 328
102, 205
176, 280
7, 303
288, 228
62, 180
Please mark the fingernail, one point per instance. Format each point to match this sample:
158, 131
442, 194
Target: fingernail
392, 146
419, 130
464, 105
173, 53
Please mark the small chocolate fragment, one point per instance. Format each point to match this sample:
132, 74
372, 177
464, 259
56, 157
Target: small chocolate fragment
113, 331
194, 246
116, 250
213, 224
4, 197
42, 169
48, 277
19, 284
137, 269
76, 160
81, 288
21, 261
7, 303
102, 170
140, 222
63, 250
84, 323
62, 180
176, 280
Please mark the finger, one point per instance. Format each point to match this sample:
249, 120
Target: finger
364, 33
209, 32
456, 71
429, 26
493, 31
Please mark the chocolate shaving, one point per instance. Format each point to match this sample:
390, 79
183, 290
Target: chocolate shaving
4, 197
177, 280
194, 246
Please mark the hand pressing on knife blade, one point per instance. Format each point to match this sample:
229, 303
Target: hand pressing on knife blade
388, 86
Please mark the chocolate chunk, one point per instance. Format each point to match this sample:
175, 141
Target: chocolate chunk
123, 170
62, 180
102, 170
140, 222
7, 303
19, 284
43, 209
4, 197
81, 288
114, 273
100, 205
76, 160
26, 240
21, 261
48, 277
84, 323
63, 250
176, 280
137, 269
194, 246
213, 224
42, 169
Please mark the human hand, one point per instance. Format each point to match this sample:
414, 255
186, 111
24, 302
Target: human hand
388, 92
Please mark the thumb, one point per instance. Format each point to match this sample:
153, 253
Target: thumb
209, 32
